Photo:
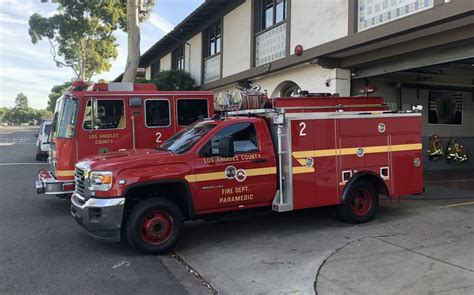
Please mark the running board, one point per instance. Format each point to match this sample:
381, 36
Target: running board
280, 206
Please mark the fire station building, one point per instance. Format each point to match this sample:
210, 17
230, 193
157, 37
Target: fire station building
411, 52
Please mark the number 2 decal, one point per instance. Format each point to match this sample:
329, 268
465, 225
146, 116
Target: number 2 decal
303, 127
158, 136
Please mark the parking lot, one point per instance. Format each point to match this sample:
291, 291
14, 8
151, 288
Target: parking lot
421, 245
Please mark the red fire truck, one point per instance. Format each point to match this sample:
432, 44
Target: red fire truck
102, 118
301, 153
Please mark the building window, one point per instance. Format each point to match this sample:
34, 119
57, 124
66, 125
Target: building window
271, 37
212, 48
273, 12
372, 13
178, 58
214, 37
155, 68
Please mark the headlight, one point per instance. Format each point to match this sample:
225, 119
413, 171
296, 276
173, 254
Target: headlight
100, 180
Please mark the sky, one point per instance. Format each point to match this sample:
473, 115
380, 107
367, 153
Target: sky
30, 69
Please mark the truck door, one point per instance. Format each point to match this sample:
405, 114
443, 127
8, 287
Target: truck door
105, 127
245, 180
156, 125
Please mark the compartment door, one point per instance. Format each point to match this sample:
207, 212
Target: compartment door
325, 163
407, 169
302, 147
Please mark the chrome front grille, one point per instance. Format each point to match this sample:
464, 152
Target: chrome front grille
53, 163
80, 181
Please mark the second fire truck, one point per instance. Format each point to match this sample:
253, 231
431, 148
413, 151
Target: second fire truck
102, 118
300, 153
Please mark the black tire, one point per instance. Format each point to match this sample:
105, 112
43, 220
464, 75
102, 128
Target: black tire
361, 203
39, 157
164, 221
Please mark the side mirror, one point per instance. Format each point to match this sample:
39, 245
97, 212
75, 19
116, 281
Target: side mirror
36, 135
205, 151
226, 147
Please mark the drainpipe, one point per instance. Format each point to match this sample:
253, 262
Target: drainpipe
189, 58
399, 96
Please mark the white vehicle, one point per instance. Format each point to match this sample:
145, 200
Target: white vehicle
42, 144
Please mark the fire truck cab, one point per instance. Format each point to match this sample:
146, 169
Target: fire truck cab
102, 118
301, 153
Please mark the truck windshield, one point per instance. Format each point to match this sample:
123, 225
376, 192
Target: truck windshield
182, 141
64, 121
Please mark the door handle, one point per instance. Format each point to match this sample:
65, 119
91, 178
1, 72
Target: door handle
259, 161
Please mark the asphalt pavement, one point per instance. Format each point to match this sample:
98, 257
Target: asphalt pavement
44, 251
421, 245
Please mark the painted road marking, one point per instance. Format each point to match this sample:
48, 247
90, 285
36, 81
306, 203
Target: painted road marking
453, 180
14, 164
6, 143
460, 204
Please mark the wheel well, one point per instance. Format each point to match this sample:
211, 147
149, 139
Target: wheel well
379, 184
176, 192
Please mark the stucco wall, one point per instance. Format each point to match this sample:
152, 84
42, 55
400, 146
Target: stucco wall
148, 73
308, 77
236, 40
193, 55
317, 22
165, 63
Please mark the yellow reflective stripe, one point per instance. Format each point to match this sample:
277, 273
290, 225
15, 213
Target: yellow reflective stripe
302, 169
221, 175
302, 155
314, 154
65, 173
405, 147
353, 150
261, 171
302, 161
205, 176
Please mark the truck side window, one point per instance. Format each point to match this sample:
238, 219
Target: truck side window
243, 134
191, 110
109, 114
157, 113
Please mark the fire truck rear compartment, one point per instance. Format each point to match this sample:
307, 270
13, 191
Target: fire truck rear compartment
323, 154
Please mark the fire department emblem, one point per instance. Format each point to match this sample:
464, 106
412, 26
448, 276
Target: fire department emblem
381, 127
416, 162
360, 152
230, 172
103, 150
309, 162
241, 175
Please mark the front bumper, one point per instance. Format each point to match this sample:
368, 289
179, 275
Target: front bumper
102, 218
49, 185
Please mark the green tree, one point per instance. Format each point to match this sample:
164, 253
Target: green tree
174, 80
80, 34
56, 92
21, 101
3, 111
18, 115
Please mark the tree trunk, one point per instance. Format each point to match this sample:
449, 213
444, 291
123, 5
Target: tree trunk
133, 30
